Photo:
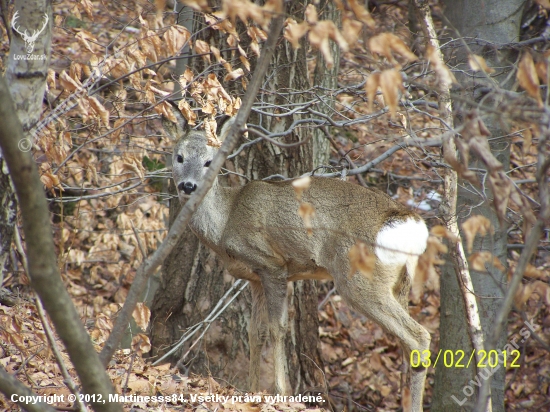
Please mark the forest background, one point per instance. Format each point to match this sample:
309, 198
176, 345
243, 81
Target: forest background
357, 90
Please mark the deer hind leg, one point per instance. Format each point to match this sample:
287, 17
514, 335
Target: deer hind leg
275, 290
257, 333
375, 298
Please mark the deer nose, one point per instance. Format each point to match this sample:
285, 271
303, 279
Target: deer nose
187, 187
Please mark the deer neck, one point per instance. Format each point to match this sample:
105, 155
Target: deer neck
210, 218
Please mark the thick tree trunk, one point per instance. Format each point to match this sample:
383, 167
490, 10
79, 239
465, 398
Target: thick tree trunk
26, 78
490, 21
194, 280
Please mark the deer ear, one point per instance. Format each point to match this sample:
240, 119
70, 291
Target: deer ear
224, 124
175, 130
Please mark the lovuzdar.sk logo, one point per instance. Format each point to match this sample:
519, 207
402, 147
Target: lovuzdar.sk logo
29, 39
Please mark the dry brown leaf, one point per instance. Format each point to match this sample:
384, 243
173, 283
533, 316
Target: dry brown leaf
210, 126
202, 48
527, 141
528, 78
390, 82
427, 261
442, 231
362, 13
333, 33
307, 212
478, 63
371, 86
141, 343
533, 273
84, 38
526, 290
351, 29
88, 8
502, 187
444, 74
199, 5
176, 37
477, 224
101, 111
361, 259
544, 3
385, 44
311, 14
142, 315
165, 109
542, 70
51, 180
301, 184
256, 34
295, 31
245, 62
479, 260
234, 75
187, 112
68, 83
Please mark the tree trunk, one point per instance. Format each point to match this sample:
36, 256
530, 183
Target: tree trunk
26, 79
194, 279
499, 22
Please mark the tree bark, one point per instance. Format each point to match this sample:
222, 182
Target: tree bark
26, 80
194, 280
498, 22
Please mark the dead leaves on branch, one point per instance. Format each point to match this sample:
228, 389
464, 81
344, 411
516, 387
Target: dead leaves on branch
444, 75
389, 45
390, 82
478, 63
474, 139
476, 225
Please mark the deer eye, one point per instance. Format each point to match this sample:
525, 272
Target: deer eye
207, 163
180, 159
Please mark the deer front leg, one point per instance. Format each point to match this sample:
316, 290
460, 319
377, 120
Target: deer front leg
275, 289
257, 333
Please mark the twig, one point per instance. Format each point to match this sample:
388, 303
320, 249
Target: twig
343, 154
213, 315
209, 322
140, 245
327, 297
399, 146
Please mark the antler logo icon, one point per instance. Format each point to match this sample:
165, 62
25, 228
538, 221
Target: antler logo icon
29, 39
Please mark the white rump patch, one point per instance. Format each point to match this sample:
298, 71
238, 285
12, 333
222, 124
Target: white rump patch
395, 244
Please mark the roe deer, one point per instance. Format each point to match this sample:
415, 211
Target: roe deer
257, 232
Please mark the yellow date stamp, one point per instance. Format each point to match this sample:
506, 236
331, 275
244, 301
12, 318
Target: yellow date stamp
459, 359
